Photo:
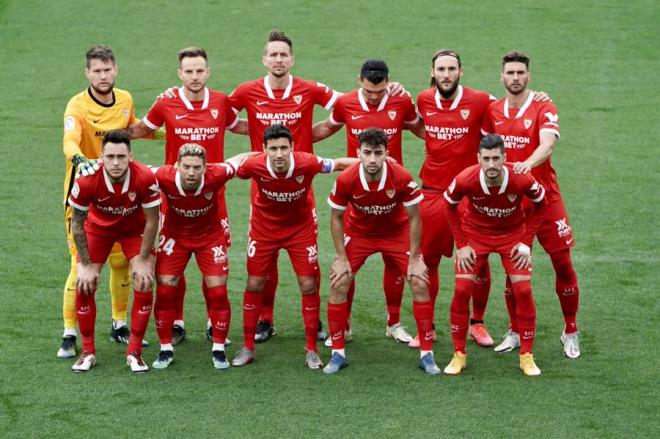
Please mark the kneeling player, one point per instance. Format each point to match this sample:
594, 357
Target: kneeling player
122, 202
384, 218
191, 189
494, 223
282, 217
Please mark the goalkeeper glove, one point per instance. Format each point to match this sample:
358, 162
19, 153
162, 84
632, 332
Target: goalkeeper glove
84, 165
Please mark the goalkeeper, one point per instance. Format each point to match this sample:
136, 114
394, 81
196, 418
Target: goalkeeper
87, 117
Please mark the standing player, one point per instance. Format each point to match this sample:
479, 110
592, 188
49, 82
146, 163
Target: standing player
493, 222
282, 99
191, 226
194, 114
384, 217
282, 217
370, 106
530, 130
122, 202
87, 117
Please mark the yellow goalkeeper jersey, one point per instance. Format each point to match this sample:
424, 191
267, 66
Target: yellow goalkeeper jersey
85, 122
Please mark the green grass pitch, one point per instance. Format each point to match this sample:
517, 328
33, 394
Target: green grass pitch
598, 62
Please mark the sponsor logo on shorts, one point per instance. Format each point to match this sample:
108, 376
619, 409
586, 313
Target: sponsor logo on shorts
563, 229
219, 255
312, 254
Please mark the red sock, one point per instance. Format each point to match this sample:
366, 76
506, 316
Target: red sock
311, 304
393, 287
526, 314
220, 312
433, 263
268, 294
480, 293
567, 288
423, 312
86, 313
179, 298
140, 314
350, 295
207, 299
510, 300
164, 312
251, 308
337, 315
459, 312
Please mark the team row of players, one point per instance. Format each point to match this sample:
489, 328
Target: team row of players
379, 195
449, 117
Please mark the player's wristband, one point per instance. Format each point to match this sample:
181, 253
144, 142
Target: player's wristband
524, 249
84, 165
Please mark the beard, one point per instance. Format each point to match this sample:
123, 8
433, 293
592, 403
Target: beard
446, 93
103, 92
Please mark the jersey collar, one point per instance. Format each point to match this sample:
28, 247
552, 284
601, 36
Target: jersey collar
292, 164
505, 181
187, 103
365, 106
526, 105
179, 186
108, 182
454, 104
383, 178
287, 90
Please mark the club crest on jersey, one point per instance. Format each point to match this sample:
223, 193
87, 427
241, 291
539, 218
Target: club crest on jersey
512, 197
300, 178
131, 196
390, 193
297, 99
527, 123
392, 114
208, 195
465, 113
214, 113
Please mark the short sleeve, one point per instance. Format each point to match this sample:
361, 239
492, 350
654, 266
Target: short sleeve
548, 119
154, 118
150, 191
324, 95
81, 194
339, 194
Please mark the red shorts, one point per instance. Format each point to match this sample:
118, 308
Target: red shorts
100, 246
394, 248
301, 246
437, 239
173, 256
493, 244
555, 232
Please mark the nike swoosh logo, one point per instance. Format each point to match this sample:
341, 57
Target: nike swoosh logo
499, 123
356, 197
478, 198
103, 199
357, 117
431, 113
96, 120
181, 116
266, 179
225, 268
261, 102
568, 241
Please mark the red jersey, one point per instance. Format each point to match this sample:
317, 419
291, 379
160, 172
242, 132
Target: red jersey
389, 115
520, 130
202, 122
193, 215
452, 133
377, 208
282, 203
497, 210
116, 208
292, 107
